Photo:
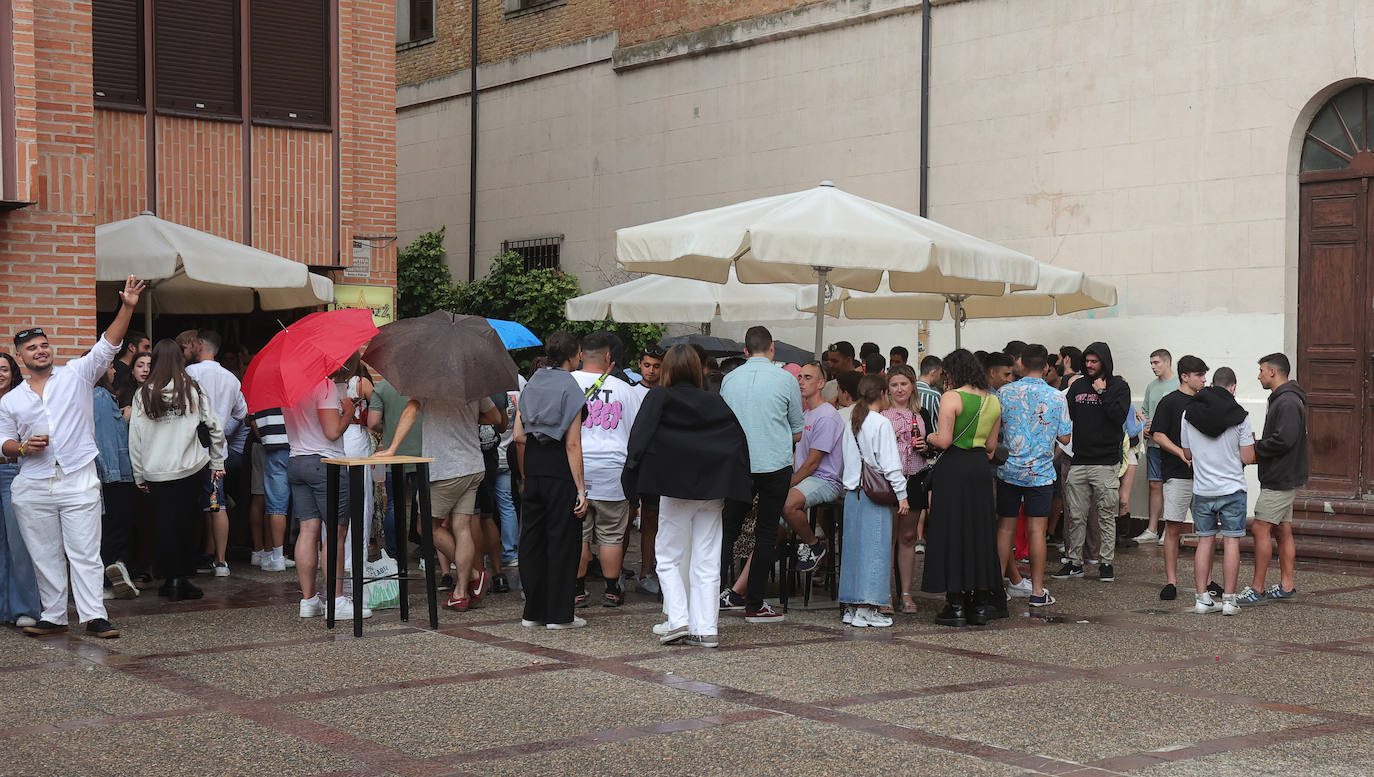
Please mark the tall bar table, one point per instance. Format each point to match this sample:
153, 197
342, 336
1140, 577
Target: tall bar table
357, 481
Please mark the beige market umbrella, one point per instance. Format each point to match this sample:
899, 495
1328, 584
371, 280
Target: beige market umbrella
656, 299
819, 236
195, 272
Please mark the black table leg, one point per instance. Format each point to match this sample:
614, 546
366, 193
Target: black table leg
331, 541
401, 523
427, 545
356, 502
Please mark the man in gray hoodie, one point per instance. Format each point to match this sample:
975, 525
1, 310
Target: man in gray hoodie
1283, 468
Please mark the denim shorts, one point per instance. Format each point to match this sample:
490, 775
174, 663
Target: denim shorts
269, 478
1154, 464
817, 490
308, 477
1227, 510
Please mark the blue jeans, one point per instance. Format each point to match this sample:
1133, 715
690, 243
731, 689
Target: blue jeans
18, 584
1228, 511
510, 525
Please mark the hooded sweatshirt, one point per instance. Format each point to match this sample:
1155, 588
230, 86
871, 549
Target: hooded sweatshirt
1097, 416
1213, 410
1282, 450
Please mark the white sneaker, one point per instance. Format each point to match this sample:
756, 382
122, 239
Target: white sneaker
848, 617
1145, 536
576, 623
25, 621
258, 557
673, 636
1203, 603
312, 607
1229, 606
1160, 541
661, 628
869, 616
1021, 590
288, 562
343, 609
221, 569
274, 564
120, 583
534, 624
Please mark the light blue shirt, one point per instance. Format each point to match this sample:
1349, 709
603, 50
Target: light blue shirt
767, 401
1033, 416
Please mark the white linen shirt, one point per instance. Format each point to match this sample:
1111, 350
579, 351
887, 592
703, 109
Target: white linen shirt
878, 441
226, 397
66, 407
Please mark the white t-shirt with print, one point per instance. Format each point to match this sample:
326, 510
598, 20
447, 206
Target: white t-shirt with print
1217, 469
611, 412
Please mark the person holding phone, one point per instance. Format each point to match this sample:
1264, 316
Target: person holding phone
49, 423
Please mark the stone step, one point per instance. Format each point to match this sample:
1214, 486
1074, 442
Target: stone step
1341, 526
1344, 551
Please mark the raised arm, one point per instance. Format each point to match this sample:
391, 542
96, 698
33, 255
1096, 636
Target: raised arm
403, 425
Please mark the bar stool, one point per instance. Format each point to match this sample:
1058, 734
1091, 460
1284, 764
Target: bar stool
357, 481
830, 566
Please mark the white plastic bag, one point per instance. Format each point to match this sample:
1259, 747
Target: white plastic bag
381, 594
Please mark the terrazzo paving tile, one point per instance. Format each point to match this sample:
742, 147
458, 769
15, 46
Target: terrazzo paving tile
1076, 645
808, 672
1346, 755
16, 649
1282, 621
630, 632
773, 746
194, 746
179, 631
1078, 720
507, 711
52, 695
1320, 680
277, 671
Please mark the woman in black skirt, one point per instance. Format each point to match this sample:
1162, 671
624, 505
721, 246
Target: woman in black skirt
961, 531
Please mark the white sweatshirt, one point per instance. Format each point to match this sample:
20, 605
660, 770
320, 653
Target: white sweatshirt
878, 441
167, 448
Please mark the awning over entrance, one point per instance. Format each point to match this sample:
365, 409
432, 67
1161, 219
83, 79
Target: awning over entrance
193, 272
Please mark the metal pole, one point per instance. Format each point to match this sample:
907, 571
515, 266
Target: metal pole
925, 102
148, 312
958, 301
821, 272
472, 155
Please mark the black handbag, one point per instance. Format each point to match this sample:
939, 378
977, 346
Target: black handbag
203, 434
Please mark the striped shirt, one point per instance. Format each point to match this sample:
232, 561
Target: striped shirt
929, 398
272, 429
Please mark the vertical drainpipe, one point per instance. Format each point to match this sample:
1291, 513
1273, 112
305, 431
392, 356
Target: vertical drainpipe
472, 153
246, 110
150, 106
925, 102
336, 256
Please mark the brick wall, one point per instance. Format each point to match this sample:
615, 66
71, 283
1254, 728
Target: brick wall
122, 173
639, 22
47, 250
368, 127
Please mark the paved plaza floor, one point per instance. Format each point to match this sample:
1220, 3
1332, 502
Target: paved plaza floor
1109, 681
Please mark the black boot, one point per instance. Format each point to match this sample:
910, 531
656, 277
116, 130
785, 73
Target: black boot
953, 613
976, 605
166, 588
183, 589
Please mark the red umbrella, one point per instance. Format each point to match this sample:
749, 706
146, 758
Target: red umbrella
297, 358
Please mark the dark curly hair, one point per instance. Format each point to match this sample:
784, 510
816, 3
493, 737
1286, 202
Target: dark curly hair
962, 368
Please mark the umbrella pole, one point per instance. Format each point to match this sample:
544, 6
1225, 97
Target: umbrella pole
958, 300
148, 312
821, 272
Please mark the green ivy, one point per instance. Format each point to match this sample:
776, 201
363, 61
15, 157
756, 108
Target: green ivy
534, 298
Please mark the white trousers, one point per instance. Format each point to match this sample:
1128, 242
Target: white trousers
59, 518
687, 551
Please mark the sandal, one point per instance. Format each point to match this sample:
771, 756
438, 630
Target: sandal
612, 599
908, 605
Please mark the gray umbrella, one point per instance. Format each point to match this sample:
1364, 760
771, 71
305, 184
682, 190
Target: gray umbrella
715, 346
442, 356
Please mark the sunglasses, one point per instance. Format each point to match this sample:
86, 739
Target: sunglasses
654, 352
25, 334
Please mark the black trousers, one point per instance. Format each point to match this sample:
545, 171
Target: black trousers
179, 517
117, 524
550, 535
771, 488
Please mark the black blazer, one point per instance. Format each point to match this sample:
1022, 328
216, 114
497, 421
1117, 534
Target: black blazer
687, 444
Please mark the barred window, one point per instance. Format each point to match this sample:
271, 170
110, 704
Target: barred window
538, 252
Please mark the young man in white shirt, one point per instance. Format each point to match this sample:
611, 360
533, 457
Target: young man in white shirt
611, 408
48, 422
1218, 442
226, 397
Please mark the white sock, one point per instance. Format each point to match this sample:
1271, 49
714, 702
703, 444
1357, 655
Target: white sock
275, 553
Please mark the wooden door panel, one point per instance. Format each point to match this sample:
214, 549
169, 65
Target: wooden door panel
1332, 331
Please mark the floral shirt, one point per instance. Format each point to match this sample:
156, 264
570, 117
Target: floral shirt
912, 460
1033, 416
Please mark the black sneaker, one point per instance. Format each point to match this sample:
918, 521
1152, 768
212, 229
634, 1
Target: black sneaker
729, 600
44, 628
1067, 571
445, 583
205, 565
1168, 593
1105, 573
500, 584
1215, 590
809, 556
102, 628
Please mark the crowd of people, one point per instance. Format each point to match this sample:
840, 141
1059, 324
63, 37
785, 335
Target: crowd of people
857, 463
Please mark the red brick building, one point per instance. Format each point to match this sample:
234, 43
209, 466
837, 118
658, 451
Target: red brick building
269, 122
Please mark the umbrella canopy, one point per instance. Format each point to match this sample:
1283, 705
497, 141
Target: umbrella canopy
443, 355
819, 235
656, 299
195, 272
714, 346
514, 334
790, 354
297, 358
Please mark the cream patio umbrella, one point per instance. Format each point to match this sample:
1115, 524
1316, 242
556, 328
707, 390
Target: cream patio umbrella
1059, 291
657, 299
824, 236
190, 271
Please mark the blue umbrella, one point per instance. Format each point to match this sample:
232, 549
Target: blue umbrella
514, 334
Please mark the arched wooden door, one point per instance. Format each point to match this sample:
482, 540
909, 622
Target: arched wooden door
1335, 357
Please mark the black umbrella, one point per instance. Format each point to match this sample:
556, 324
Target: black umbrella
442, 356
715, 346
791, 354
